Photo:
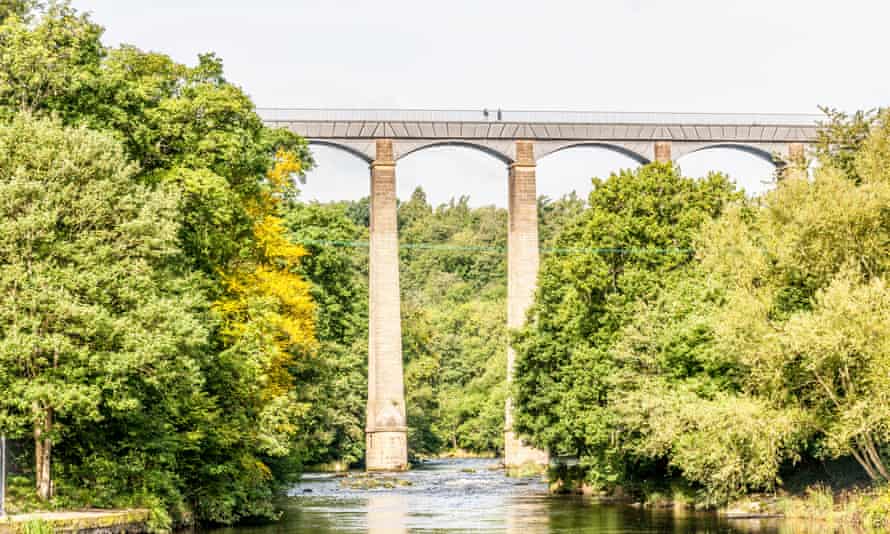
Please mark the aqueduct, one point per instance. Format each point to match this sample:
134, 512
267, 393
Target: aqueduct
519, 139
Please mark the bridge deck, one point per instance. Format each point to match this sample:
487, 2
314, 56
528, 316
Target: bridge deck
555, 117
494, 130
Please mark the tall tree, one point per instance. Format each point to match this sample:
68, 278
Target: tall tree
634, 239
806, 302
190, 132
94, 301
334, 380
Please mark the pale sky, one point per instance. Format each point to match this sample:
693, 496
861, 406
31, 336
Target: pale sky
631, 55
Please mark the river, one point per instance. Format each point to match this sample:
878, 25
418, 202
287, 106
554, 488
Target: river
449, 496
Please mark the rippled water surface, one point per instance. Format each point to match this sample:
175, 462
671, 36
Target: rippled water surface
474, 496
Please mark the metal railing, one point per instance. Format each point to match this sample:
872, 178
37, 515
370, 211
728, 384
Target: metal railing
558, 117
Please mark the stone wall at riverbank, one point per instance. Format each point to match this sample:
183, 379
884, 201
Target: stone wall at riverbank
78, 522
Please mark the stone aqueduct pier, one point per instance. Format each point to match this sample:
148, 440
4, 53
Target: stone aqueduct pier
519, 139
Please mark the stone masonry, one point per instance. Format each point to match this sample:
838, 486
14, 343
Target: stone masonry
662, 151
386, 430
522, 277
797, 162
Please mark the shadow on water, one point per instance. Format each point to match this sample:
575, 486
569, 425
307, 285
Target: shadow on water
451, 496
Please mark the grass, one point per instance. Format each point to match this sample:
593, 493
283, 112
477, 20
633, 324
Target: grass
21, 497
868, 508
37, 526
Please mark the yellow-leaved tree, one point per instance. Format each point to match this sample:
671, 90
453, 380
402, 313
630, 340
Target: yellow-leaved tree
267, 312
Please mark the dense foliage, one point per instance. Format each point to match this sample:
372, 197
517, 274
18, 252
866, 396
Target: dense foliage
717, 340
807, 302
453, 276
154, 307
334, 380
453, 279
633, 241
179, 331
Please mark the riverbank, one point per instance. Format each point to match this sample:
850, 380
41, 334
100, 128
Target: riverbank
834, 493
77, 522
866, 508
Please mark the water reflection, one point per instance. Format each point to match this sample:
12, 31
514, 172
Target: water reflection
526, 515
473, 496
387, 514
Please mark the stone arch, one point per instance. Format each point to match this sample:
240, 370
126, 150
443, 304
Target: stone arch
475, 168
633, 151
762, 151
364, 153
502, 151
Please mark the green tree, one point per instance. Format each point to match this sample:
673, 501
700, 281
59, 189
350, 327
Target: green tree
805, 311
473, 371
840, 138
634, 240
843, 344
51, 65
453, 274
334, 379
184, 125
681, 406
97, 310
553, 215
191, 133
19, 8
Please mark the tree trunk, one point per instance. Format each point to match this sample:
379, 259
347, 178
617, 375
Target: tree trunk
43, 452
876, 457
864, 463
